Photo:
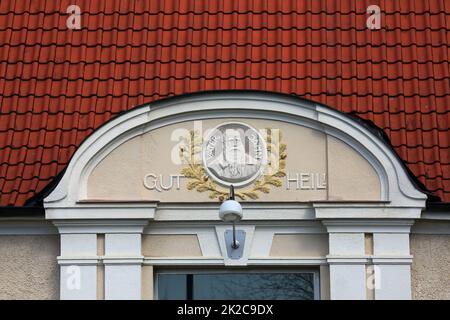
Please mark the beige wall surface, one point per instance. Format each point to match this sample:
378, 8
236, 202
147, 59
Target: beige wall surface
28, 267
431, 266
185, 245
147, 282
299, 245
350, 176
120, 175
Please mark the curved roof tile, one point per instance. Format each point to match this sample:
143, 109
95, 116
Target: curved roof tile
58, 85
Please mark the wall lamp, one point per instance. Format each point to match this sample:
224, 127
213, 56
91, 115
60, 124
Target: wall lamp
231, 211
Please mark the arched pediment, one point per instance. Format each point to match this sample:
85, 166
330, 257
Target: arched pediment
326, 156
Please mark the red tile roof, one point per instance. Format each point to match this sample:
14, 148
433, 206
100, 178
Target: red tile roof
58, 85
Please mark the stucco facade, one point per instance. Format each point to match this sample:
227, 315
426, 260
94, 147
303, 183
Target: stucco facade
338, 203
28, 267
431, 266
118, 232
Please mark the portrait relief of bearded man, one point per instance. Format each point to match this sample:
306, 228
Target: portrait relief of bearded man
233, 157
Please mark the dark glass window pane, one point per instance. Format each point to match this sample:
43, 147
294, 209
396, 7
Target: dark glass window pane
240, 286
261, 286
172, 287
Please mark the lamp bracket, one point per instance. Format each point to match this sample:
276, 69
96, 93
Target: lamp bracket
240, 238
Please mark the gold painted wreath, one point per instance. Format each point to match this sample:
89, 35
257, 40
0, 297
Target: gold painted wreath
201, 182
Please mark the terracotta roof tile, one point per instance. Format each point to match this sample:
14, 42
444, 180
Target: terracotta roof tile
58, 85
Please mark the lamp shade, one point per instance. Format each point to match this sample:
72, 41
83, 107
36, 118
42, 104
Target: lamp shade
230, 211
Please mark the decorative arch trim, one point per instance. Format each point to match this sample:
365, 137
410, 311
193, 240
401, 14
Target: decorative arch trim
397, 189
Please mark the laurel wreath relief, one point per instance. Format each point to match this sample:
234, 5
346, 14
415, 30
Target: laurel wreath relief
201, 182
